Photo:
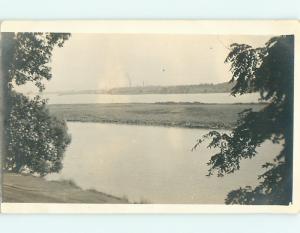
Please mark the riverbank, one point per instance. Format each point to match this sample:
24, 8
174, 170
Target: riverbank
187, 115
19, 188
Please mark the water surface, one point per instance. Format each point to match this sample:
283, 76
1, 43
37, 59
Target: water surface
151, 163
150, 98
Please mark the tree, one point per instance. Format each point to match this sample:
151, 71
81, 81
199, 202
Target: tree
35, 140
270, 71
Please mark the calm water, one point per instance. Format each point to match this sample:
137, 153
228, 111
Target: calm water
150, 98
151, 163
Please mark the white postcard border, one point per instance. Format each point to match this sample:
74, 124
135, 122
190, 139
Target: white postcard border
203, 27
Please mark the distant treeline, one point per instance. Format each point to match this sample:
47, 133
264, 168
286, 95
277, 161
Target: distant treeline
138, 90
179, 89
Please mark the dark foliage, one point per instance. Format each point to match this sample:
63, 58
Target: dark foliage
35, 140
269, 71
27, 56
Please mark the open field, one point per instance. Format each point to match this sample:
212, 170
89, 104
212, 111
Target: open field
188, 115
29, 189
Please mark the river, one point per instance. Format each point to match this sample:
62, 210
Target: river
151, 164
150, 98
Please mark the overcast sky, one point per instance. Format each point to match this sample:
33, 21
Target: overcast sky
102, 61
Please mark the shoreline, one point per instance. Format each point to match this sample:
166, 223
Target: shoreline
26, 188
179, 115
204, 127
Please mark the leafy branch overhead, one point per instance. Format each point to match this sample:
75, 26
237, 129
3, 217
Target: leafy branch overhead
29, 56
269, 71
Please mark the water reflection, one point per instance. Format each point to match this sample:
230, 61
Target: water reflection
151, 163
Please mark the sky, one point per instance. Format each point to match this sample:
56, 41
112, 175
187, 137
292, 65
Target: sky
104, 61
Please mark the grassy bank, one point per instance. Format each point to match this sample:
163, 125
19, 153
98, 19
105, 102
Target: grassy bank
29, 189
188, 115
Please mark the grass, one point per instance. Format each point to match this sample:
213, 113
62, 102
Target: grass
188, 115
19, 188
25, 188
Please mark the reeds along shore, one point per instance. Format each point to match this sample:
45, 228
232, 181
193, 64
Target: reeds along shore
186, 115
